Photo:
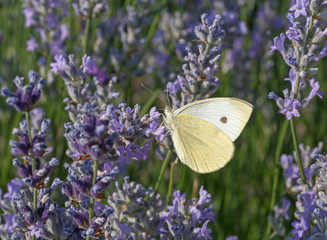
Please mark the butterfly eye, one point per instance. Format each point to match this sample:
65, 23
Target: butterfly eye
223, 119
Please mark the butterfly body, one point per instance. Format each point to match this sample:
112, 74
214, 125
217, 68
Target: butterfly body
203, 132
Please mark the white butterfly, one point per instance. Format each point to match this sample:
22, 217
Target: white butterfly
203, 132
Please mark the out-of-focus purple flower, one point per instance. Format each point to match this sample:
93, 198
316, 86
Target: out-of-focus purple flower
267, 21
32, 45
232, 238
91, 68
280, 215
9, 222
29, 13
46, 17
26, 95
85, 8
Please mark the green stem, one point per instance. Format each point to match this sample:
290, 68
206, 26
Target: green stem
71, 27
33, 163
87, 30
128, 2
297, 89
297, 151
280, 141
171, 182
163, 167
91, 212
272, 236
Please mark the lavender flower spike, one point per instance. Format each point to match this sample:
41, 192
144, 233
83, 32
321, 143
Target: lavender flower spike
26, 95
306, 33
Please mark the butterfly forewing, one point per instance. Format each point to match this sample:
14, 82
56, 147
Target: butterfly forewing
228, 114
201, 145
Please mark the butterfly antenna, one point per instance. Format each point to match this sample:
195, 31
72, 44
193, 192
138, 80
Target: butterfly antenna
155, 94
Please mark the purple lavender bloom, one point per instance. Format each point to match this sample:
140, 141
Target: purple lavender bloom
290, 108
300, 227
293, 32
25, 96
315, 85
299, 8
279, 44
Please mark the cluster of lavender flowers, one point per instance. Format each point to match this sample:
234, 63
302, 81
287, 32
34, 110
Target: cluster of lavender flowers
310, 216
306, 35
199, 80
131, 212
304, 171
100, 129
27, 205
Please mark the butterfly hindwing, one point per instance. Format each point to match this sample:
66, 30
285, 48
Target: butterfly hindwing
200, 145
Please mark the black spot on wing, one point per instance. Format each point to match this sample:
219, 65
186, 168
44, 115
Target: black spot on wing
223, 119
